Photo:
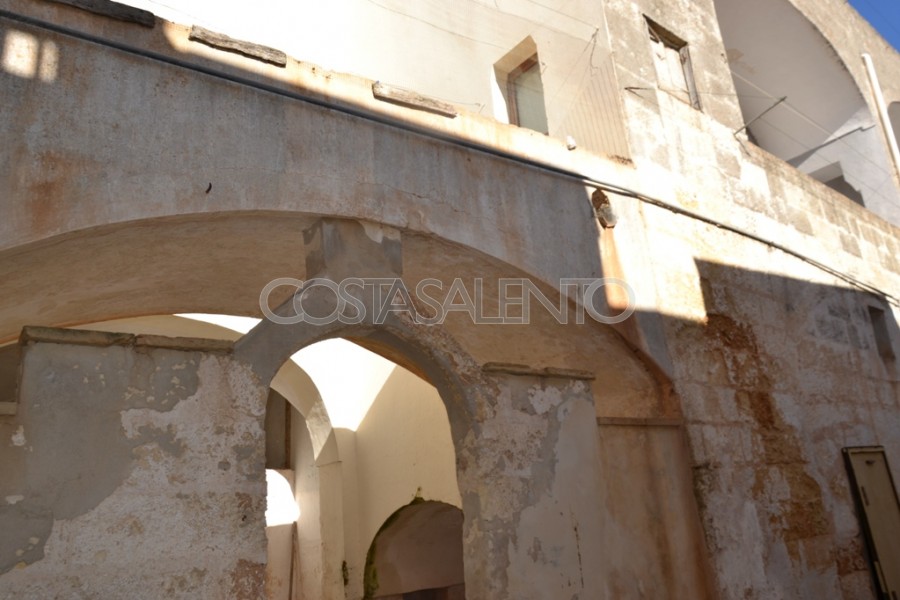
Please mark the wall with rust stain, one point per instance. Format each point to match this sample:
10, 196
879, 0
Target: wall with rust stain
773, 358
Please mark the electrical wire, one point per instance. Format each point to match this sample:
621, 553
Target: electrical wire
433, 25
633, 88
444, 137
560, 11
800, 114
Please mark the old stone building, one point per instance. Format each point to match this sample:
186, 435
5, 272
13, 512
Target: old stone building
494, 299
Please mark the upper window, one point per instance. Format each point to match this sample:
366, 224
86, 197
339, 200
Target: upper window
518, 76
673, 64
525, 96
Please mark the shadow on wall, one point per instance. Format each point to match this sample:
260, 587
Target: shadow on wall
783, 374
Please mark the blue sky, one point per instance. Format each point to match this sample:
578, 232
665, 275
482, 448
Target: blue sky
884, 15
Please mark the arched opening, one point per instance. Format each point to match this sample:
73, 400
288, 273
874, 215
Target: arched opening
514, 401
393, 440
800, 103
417, 554
392, 427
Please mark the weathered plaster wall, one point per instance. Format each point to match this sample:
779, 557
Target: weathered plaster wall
456, 47
526, 491
133, 468
406, 180
424, 188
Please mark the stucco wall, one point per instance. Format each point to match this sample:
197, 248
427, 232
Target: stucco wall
133, 469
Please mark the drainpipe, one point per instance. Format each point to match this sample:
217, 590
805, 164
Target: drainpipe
883, 114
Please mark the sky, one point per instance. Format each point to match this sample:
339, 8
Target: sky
884, 15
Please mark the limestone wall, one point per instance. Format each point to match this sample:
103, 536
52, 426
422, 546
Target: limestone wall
766, 313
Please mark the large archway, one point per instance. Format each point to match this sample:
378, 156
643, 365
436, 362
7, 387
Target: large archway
510, 426
519, 398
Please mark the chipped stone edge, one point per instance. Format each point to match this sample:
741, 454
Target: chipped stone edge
84, 337
641, 421
81, 337
113, 10
184, 343
525, 370
220, 41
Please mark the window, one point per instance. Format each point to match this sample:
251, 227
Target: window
894, 117
525, 96
518, 76
673, 64
881, 333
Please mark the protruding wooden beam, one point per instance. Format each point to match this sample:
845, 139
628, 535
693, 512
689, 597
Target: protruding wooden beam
411, 99
221, 41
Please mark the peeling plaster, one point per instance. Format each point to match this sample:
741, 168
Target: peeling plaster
519, 488
124, 473
18, 438
377, 232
